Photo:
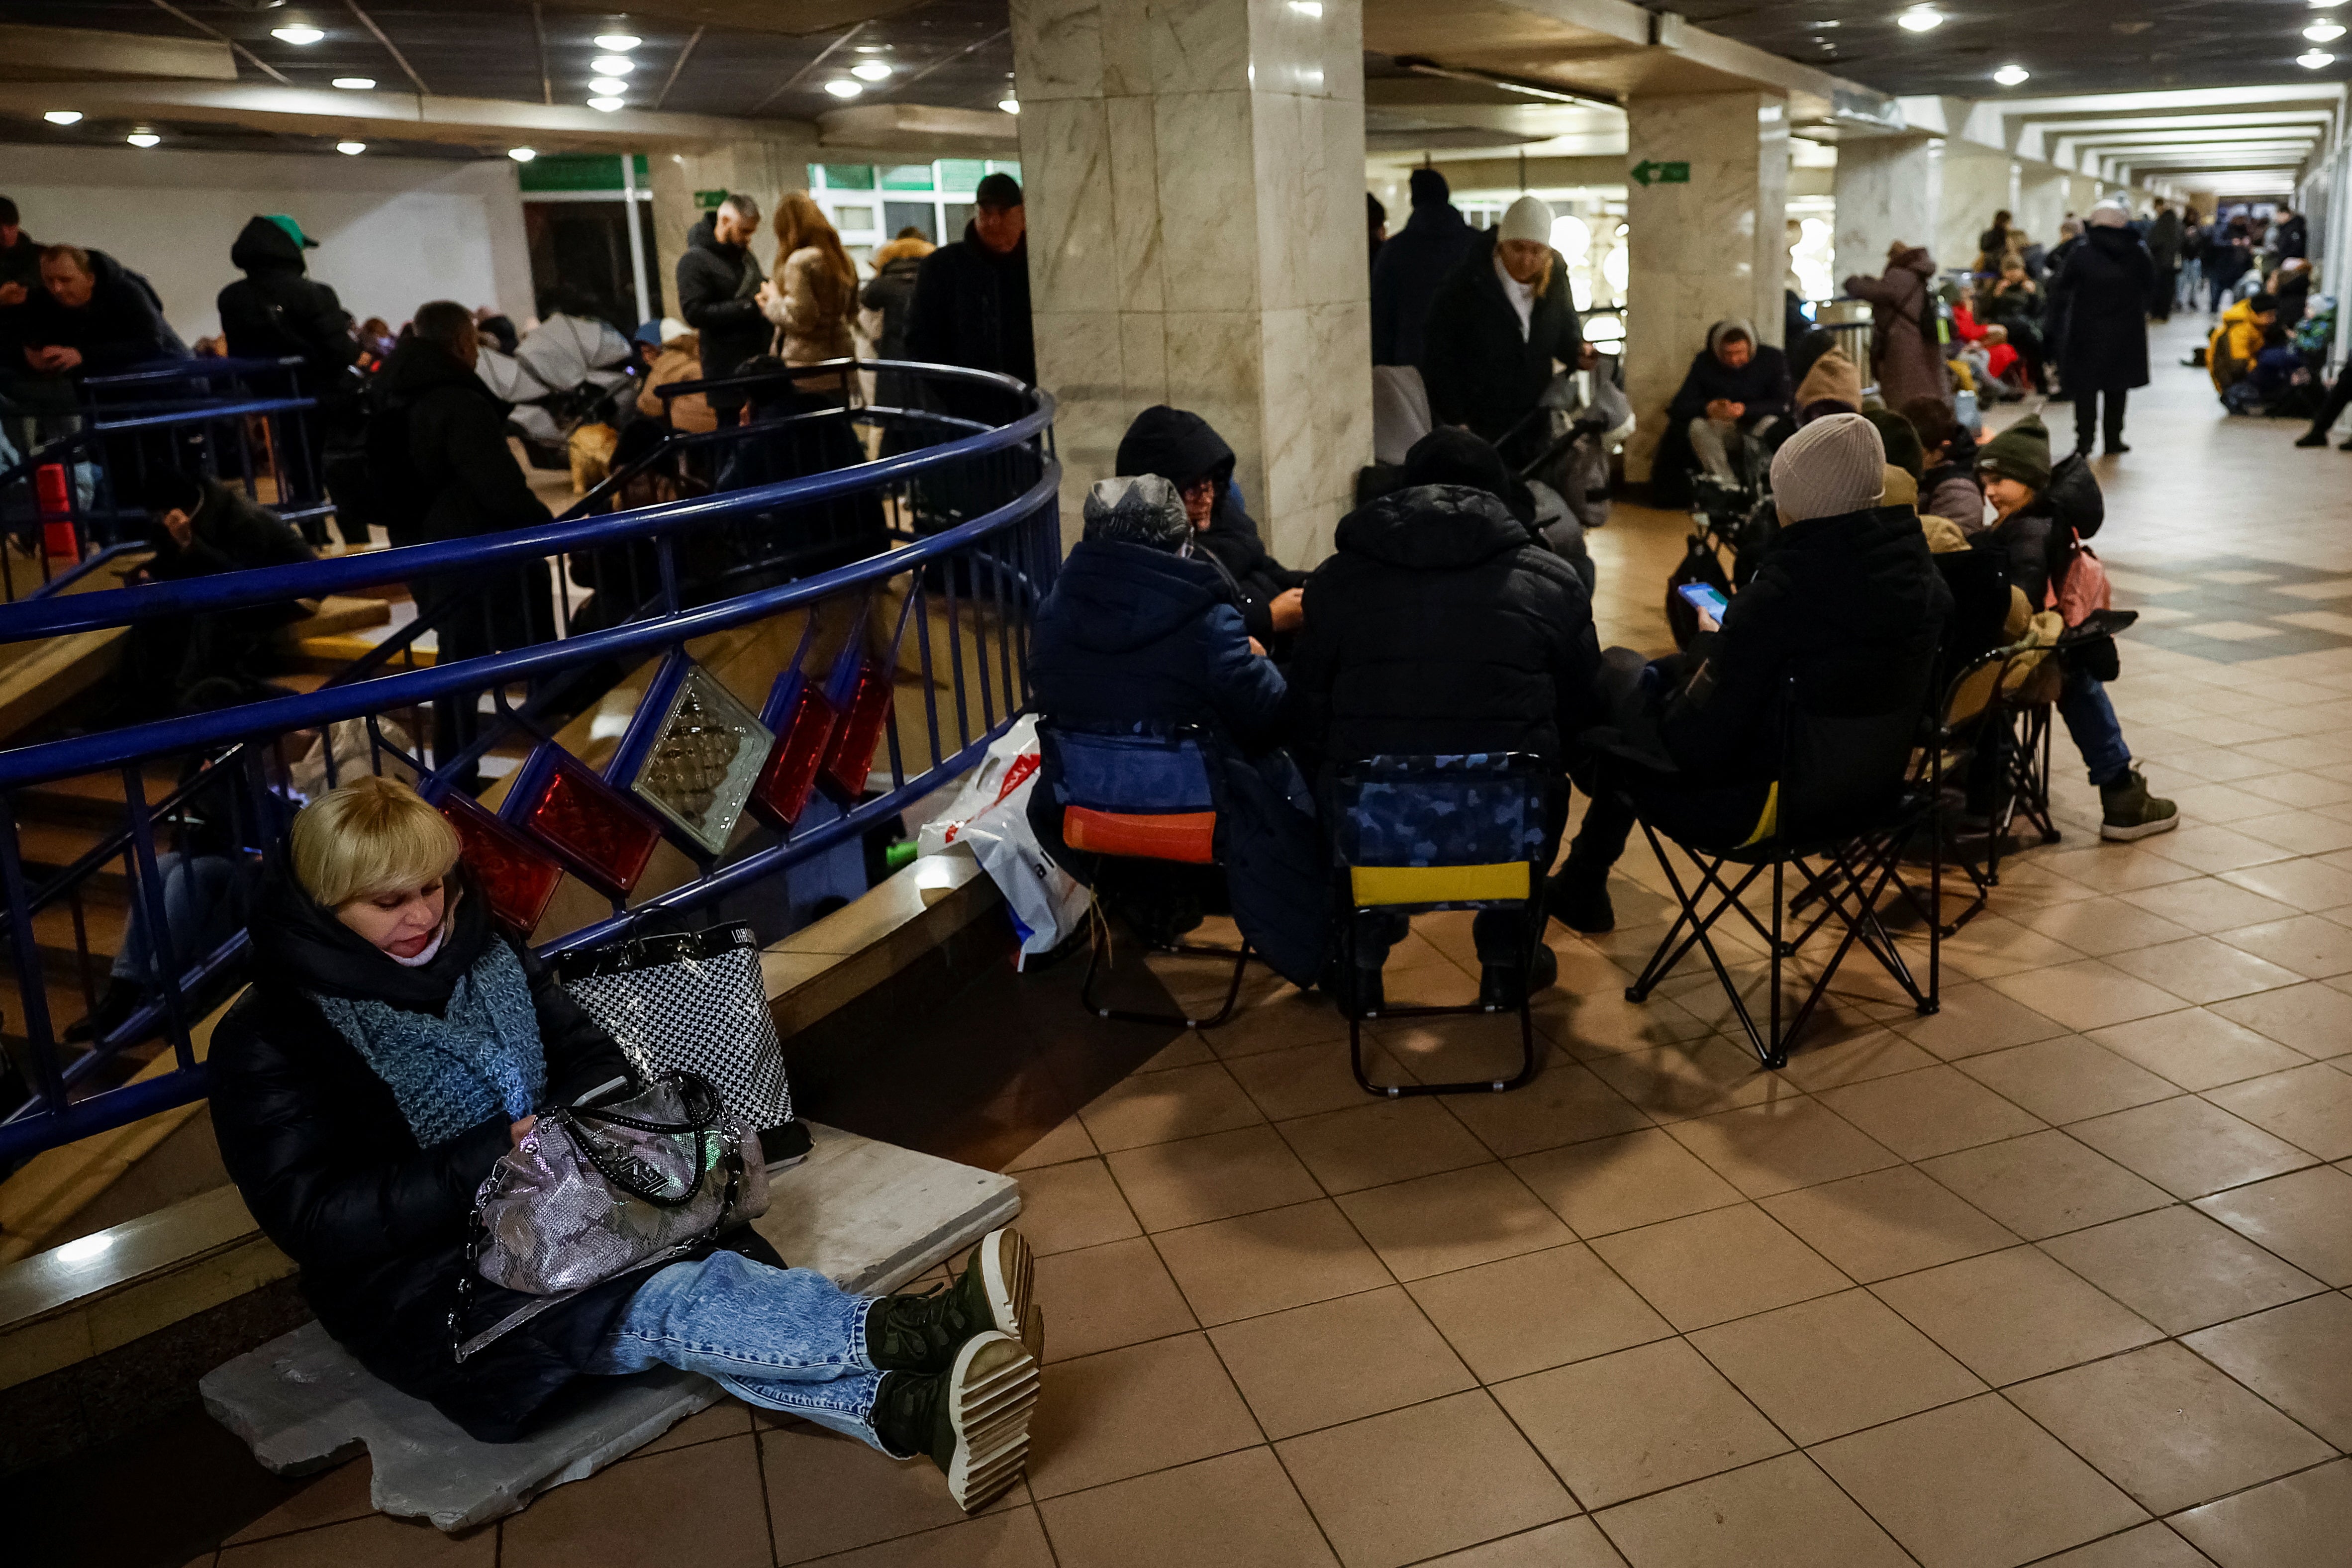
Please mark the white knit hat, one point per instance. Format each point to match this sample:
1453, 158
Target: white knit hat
1833, 466
2114, 212
1529, 218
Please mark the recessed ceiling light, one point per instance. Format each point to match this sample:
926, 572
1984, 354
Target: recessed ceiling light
841, 87
605, 105
143, 139
1920, 19
355, 83
874, 70
523, 154
620, 43
612, 64
2324, 32
2010, 76
350, 148
299, 33
63, 117
607, 85
1307, 8
1010, 105
2312, 59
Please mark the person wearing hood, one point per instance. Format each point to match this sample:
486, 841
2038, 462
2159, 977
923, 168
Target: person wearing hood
394, 1045
1846, 590
1501, 327
2106, 286
1734, 401
1182, 448
1140, 628
2037, 546
891, 295
1442, 626
972, 303
1410, 267
277, 310
1833, 385
719, 288
1906, 351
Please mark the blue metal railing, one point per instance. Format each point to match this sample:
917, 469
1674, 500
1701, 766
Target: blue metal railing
946, 613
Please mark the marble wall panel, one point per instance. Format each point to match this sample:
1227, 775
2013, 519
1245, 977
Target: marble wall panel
1135, 202
1343, 395
1066, 168
1143, 353
1193, 45
1887, 188
1213, 370
1287, 160
1127, 50
1208, 209
1287, 360
1976, 186
1079, 360
1058, 44
1343, 51
2042, 202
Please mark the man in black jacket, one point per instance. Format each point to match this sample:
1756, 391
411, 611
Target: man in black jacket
718, 283
91, 316
1734, 403
1500, 328
972, 303
1413, 265
199, 527
1183, 448
276, 312
1443, 628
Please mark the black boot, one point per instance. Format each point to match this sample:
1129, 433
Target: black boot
971, 1420
1577, 898
121, 999
2312, 438
922, 1333
1503, 986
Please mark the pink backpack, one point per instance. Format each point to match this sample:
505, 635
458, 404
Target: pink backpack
2085, 588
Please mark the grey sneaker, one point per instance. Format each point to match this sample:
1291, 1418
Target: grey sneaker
2127, 811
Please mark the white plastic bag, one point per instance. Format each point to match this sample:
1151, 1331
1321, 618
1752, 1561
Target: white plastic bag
990, 817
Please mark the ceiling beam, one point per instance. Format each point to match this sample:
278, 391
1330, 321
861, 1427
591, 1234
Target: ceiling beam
46, 54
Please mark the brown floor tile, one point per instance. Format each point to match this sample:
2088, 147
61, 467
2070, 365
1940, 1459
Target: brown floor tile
1195, 1180
638, 1512
1929, 1112
1013, 1538
1453, 1220
1975, 1018
2180, 1269
2067, 1079
1239, 1508
1265, 1262
2014, 1314
2305, 1218
1605, 1025
1416, 1482
2213, 850
1160, 1106
1067, 1141
1782, 1512
2149, 1546
2294, 1356
1992, 944
1470, 1047
836, 1493
2087, 995
1781, 1144
1818, 1064
2203, 969
1305, 1080
2167, 1427
2300, 884
2104, 870
1824, 1368
2315, 1019
375, 1542
1710, 1268
2190, 1148
1696, 1077
2045, 1183
2199, 1048
1887, 1223
2312, 947
730, 1417
1571, 1543
2097, 927
1127, 1412
2309, 1107
1186, 1050
346, 1492
1287, 1019
1617, 1184
1102, 1297
1371, 1144
1928, 1479
1338, 1361
1638, 1421
1546, 1309
1073, 1205
1565, 1104
2303, 1519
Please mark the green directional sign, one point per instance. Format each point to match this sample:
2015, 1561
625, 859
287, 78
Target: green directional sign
1646, 173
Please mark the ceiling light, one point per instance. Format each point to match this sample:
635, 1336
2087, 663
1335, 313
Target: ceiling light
63, 117
619, 43
843, 88
2324, 32
143, 139
299, 33
612, 64
2312, 59
1010, 105
355, 83
1307, 8
605, 105
874, 70
350, 148
607, 85
2010, 76
523, 154
1920, 19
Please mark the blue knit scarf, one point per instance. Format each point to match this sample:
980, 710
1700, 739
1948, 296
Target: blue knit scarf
480, 1059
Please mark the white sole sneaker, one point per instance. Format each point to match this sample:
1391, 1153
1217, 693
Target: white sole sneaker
990, 1391
1008, 1272
2114, 834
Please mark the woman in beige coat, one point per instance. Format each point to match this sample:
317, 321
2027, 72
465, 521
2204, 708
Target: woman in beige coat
814, 295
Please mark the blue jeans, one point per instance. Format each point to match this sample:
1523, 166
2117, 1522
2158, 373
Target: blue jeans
2091, 720
783, 1339
205, 899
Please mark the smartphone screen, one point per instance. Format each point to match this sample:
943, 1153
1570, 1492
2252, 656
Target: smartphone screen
1700, 597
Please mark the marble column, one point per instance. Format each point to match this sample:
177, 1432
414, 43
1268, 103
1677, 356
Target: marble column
2042, 203
1715, 247
1195, 176
1978, 183
763, 169
1888, 188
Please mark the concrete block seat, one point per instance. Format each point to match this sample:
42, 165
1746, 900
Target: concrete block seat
868, 1215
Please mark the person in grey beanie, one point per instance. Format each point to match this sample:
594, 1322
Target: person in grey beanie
1846, 593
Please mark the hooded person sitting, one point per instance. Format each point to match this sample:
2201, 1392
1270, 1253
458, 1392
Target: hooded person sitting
1845, 592
1442, 626
1183, 448
1734, 401
1142, 629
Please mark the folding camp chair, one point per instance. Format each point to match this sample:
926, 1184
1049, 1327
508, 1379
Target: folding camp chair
1844, 803
1138, 792
1984, 706
1415, 835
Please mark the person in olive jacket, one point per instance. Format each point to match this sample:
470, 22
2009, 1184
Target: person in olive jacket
1501, 327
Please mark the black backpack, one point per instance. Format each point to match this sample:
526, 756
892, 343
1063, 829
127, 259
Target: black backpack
2074, 500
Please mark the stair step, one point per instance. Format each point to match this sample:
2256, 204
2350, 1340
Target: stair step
326, 655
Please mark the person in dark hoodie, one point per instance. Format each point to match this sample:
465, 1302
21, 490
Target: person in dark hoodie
395, 1046
1139, 628
1501, 327
1182, 448
972, 303
718, 283
1442, 626
2106, 287
1413, 264
277, 310
1845, 592
1734, 403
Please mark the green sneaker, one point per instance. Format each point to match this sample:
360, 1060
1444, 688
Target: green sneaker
2127, 811
922, 1332
972, 1419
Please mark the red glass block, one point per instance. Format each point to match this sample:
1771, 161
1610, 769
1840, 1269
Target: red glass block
859, 734
599, 834
802, 738
519, 880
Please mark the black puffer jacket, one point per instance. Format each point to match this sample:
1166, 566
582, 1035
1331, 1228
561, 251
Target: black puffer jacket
275, 310
317, 1146
123, 324
228, 532
972, 309
1479, 369
2105, 292
1441, 627
1762, 383
718, 296
1180, 447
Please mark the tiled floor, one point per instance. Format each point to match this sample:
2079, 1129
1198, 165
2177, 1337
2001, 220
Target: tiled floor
2057, 1275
